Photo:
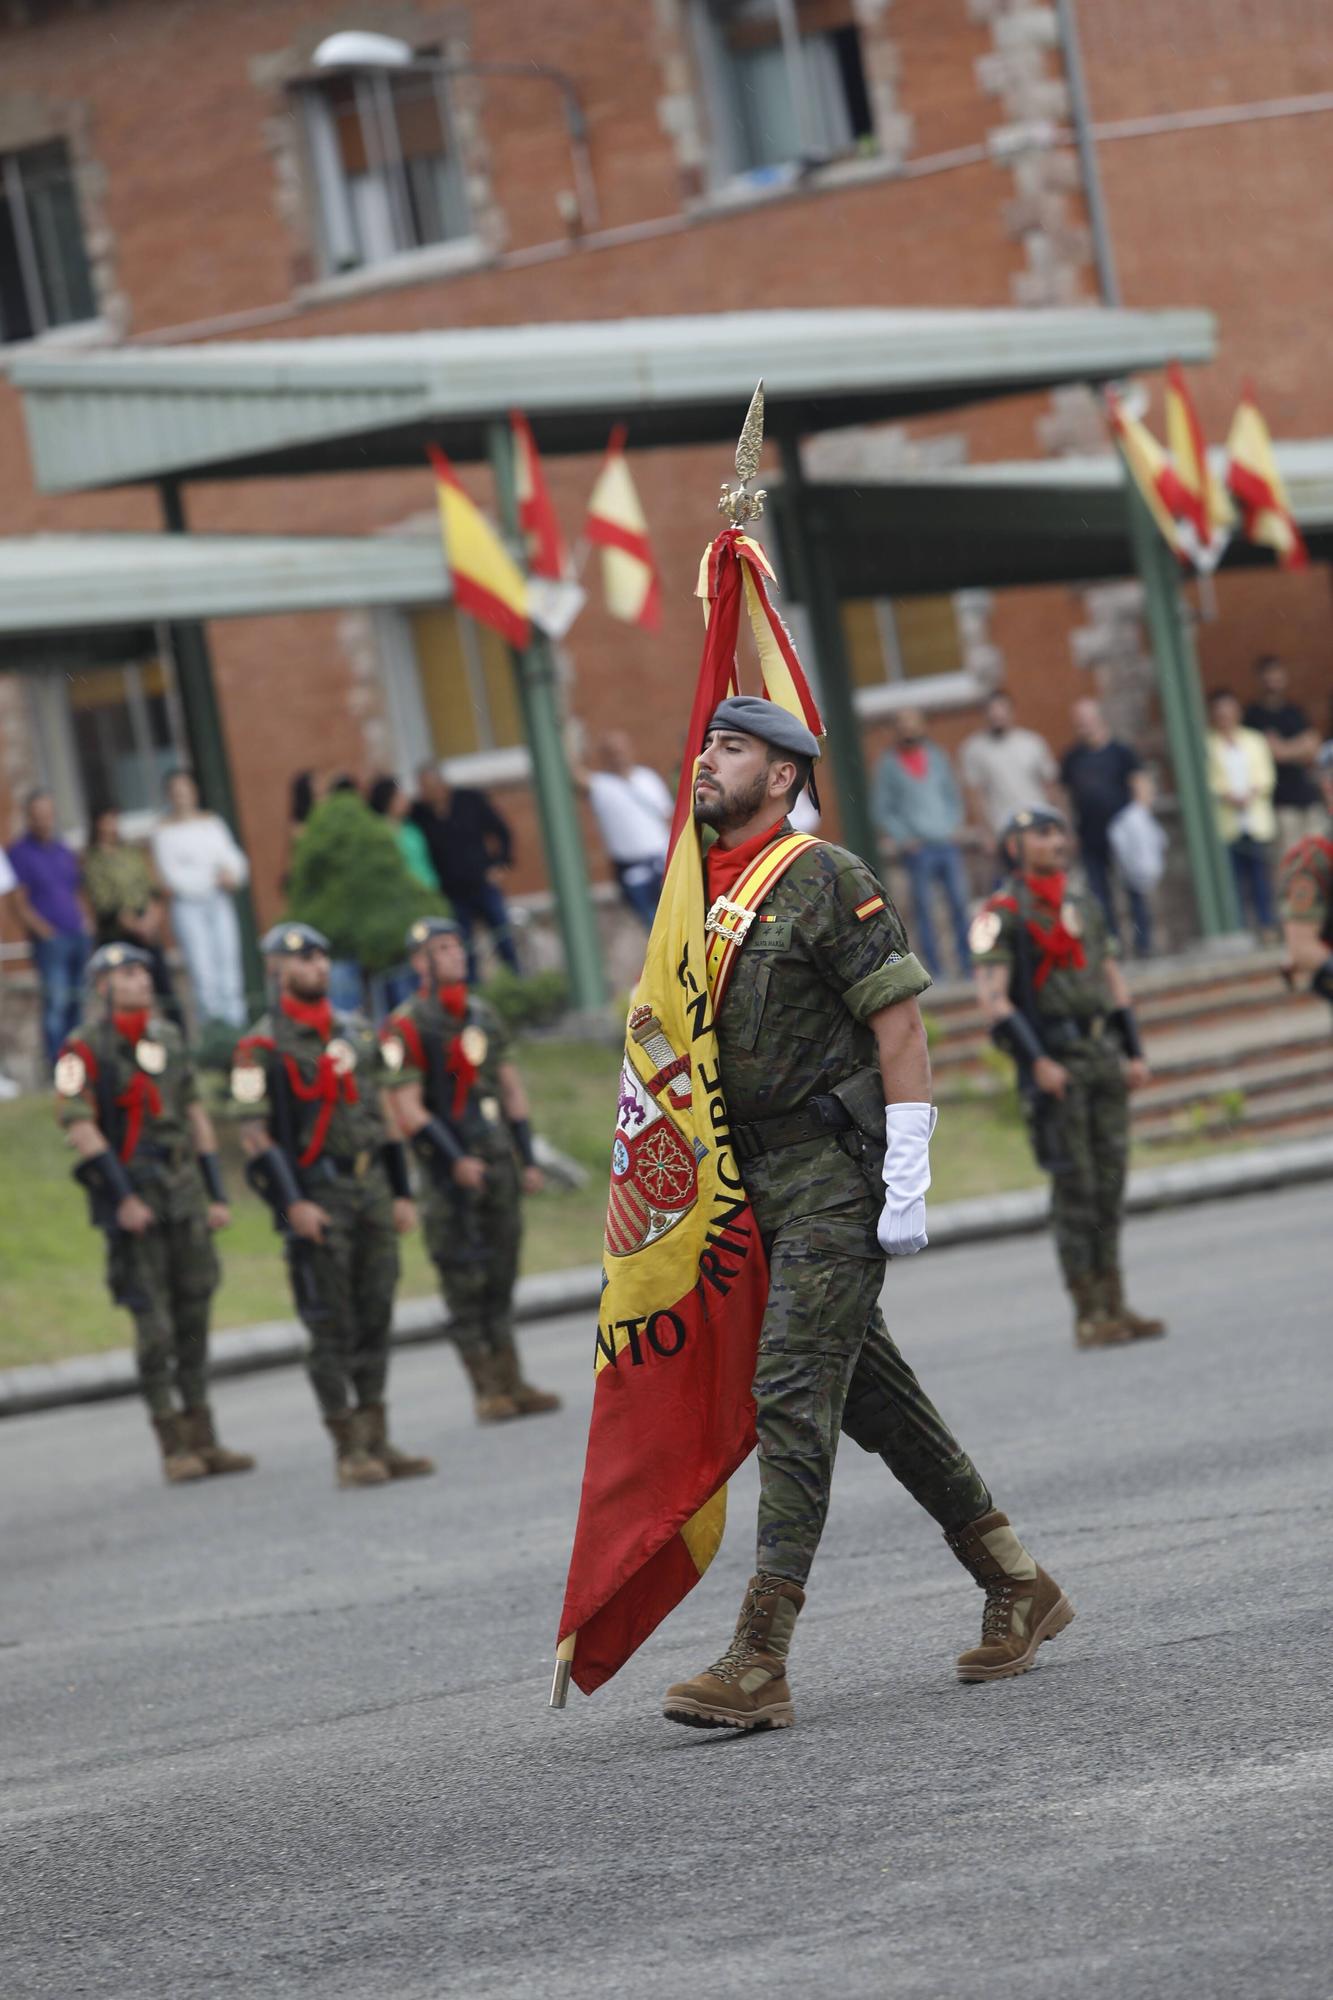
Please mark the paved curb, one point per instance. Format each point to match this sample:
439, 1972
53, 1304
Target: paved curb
90, 1378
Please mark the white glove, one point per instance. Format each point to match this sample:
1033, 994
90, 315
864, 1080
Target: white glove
902, 1225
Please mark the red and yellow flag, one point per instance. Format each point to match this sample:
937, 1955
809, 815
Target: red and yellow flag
686, 1279
617, 526
1153, 473
487, 582
1256, 485
1209, 517
536, 512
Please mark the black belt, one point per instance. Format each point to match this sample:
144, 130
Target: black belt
341, 1166
816, 1119
1067, 1032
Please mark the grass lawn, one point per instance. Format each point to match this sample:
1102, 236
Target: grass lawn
52, 1301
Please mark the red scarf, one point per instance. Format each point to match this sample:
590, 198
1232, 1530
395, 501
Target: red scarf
142, 1094
328, 1082
724, 866
453, 999
1060, 950
912, 757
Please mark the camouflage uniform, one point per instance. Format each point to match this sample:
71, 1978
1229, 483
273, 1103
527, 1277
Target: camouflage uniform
165, 1278
1088, 1137
825, 953
1305, 883
343, 1287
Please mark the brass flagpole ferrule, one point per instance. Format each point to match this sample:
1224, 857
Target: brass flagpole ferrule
737, 502
564, 1660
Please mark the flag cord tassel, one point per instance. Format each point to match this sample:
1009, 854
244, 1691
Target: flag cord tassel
564, 1660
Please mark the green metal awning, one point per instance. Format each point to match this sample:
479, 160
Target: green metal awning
76, 583
355, 403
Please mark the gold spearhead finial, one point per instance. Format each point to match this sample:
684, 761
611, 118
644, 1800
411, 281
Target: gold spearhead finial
737, 502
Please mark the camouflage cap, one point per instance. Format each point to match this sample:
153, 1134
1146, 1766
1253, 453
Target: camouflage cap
426, 928
112, 956
755, 715
292, 940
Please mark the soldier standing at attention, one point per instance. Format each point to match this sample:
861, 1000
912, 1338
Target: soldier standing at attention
823, 1057
129, 1103
1305, 889
460, 1102
1056, 1001
308, 1083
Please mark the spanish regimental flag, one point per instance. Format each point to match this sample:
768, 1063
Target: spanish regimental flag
1256, 484
685, 1276
1206, 528
617, 526
487, 581
1163, 490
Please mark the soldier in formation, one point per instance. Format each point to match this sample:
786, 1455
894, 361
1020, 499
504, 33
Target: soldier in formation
129, 1103
1305, 889
307, 1084
827, 1083
1056, 1001
460, 1102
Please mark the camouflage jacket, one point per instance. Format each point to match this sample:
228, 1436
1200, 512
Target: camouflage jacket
827, 951
457, 1063
1063, 990
326, 1093
1305, 883
138, 1094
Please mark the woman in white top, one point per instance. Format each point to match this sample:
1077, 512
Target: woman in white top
1242, 777
201, 865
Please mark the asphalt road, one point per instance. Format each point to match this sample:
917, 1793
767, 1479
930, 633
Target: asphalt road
263, 1738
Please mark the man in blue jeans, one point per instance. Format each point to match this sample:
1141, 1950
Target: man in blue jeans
50, 906
470, 844
918, 807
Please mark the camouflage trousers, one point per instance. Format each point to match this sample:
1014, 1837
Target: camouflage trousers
166, 1279
474, 1241
827, 1363
344, 1289
1088, 1188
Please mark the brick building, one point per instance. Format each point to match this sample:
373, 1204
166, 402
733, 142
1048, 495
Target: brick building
174, 172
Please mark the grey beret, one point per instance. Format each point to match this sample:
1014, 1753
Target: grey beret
754, 715
426, 928
1033, 819
292, 940
112, 956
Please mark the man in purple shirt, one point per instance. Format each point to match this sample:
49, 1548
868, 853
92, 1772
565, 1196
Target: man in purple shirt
50, 906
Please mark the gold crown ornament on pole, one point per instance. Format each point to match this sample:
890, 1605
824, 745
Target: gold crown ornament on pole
737, 502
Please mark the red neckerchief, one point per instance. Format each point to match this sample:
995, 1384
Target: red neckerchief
1060, 950
328, 1083
724, 866
912, 757
453, 999
141, 1094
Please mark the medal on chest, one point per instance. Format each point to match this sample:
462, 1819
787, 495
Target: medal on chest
150, 1056
473, 1044
342, 1056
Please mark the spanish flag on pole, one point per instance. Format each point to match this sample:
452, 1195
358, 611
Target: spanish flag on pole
536, 513
1163, 490
487, 582
685, 1277
616, 525
1256, 485
1210, 517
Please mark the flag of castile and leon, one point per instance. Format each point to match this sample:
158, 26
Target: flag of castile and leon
685, 1277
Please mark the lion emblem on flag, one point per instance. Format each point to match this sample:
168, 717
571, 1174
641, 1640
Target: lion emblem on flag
654, 1172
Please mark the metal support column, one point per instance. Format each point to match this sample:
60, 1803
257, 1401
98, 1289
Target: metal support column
815, 588
557, 808
198, 696
1183, 713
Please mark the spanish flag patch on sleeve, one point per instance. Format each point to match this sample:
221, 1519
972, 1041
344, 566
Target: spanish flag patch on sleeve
871, 905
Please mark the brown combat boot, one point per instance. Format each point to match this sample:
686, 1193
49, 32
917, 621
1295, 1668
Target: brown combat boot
179, 1462
746, 1688
398, 1464
197, 1428
1093, 1325
529, 1402
1024, 1606
352, 1463
491, 1401
1113, 1302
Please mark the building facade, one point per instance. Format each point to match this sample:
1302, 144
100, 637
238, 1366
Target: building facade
180, 173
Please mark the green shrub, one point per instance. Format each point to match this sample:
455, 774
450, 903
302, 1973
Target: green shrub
531, 1000
349, 880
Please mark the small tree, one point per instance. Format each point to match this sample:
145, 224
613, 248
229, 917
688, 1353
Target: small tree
349, 880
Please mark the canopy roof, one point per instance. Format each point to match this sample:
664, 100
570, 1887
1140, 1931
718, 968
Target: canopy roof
353, 403
1031, 521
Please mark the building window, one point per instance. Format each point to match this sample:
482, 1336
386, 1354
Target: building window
45, 279
787, 83
108, 733
468, 688
385, 166
906, 639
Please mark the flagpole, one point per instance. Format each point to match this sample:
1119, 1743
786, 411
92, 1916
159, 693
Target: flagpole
564, 1661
